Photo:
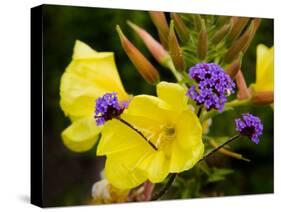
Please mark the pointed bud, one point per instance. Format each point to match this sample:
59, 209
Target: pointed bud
202, 46
155, 48
145, 68
175, 49
159, 20
234, 67
255, 23
243, 91
235, 49
197, 21
238, 24
221, 33
180, 27
222, 20
263, 98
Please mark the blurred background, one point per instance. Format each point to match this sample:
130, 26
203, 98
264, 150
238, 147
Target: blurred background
68, 176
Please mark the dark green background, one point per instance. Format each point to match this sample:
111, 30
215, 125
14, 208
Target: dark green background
68, 177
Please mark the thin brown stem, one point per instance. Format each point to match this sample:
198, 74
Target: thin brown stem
199, 112
137, 131
165, 188
220, 146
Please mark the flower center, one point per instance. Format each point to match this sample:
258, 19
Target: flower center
164, 138
169, 133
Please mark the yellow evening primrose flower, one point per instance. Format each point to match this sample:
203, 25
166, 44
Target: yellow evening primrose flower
168, 123
89, 75
264, 69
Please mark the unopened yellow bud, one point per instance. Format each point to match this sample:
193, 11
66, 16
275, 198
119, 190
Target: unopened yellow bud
263, 98
197, 22
145, 68
221, 33
202, 46
234, 67
155, 48
159, 20
222, 20
238, 24
180, 27
175, 49
237, 47
243, 91
255, 23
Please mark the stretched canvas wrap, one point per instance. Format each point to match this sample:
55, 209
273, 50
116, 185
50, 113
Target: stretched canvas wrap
139, 106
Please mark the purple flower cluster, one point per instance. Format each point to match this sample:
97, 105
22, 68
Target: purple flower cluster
213, 85
249, 126
108, 107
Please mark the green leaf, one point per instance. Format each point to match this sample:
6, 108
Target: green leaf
219, 174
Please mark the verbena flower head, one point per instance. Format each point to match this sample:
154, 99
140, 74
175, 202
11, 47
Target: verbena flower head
213, 85
108, 107
249, 126
164, 120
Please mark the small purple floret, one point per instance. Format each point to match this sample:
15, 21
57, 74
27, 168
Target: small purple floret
213, 85
249, 126
108, 107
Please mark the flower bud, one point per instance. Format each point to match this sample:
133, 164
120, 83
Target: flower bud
243, 91
175, 49
197, 22
255, 23
238, 24
159, 20
145, 68
238, 46
180, 27
156, 49
263, 98
221, 33
202, 46
234, 67
222, 20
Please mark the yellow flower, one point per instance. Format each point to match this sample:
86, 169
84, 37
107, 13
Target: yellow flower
168, 123
89, 75
264, 69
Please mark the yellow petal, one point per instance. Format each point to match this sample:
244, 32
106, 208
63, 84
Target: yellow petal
89, 76
155, 166
182, 160
120, 176
188, 147
81, 135
143, 124
116, 137
265, 72
188, 130
82, 50
149, 107
173, 94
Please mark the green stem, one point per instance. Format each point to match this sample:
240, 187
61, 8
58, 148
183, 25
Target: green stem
172, 68
237, 102
228, 106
